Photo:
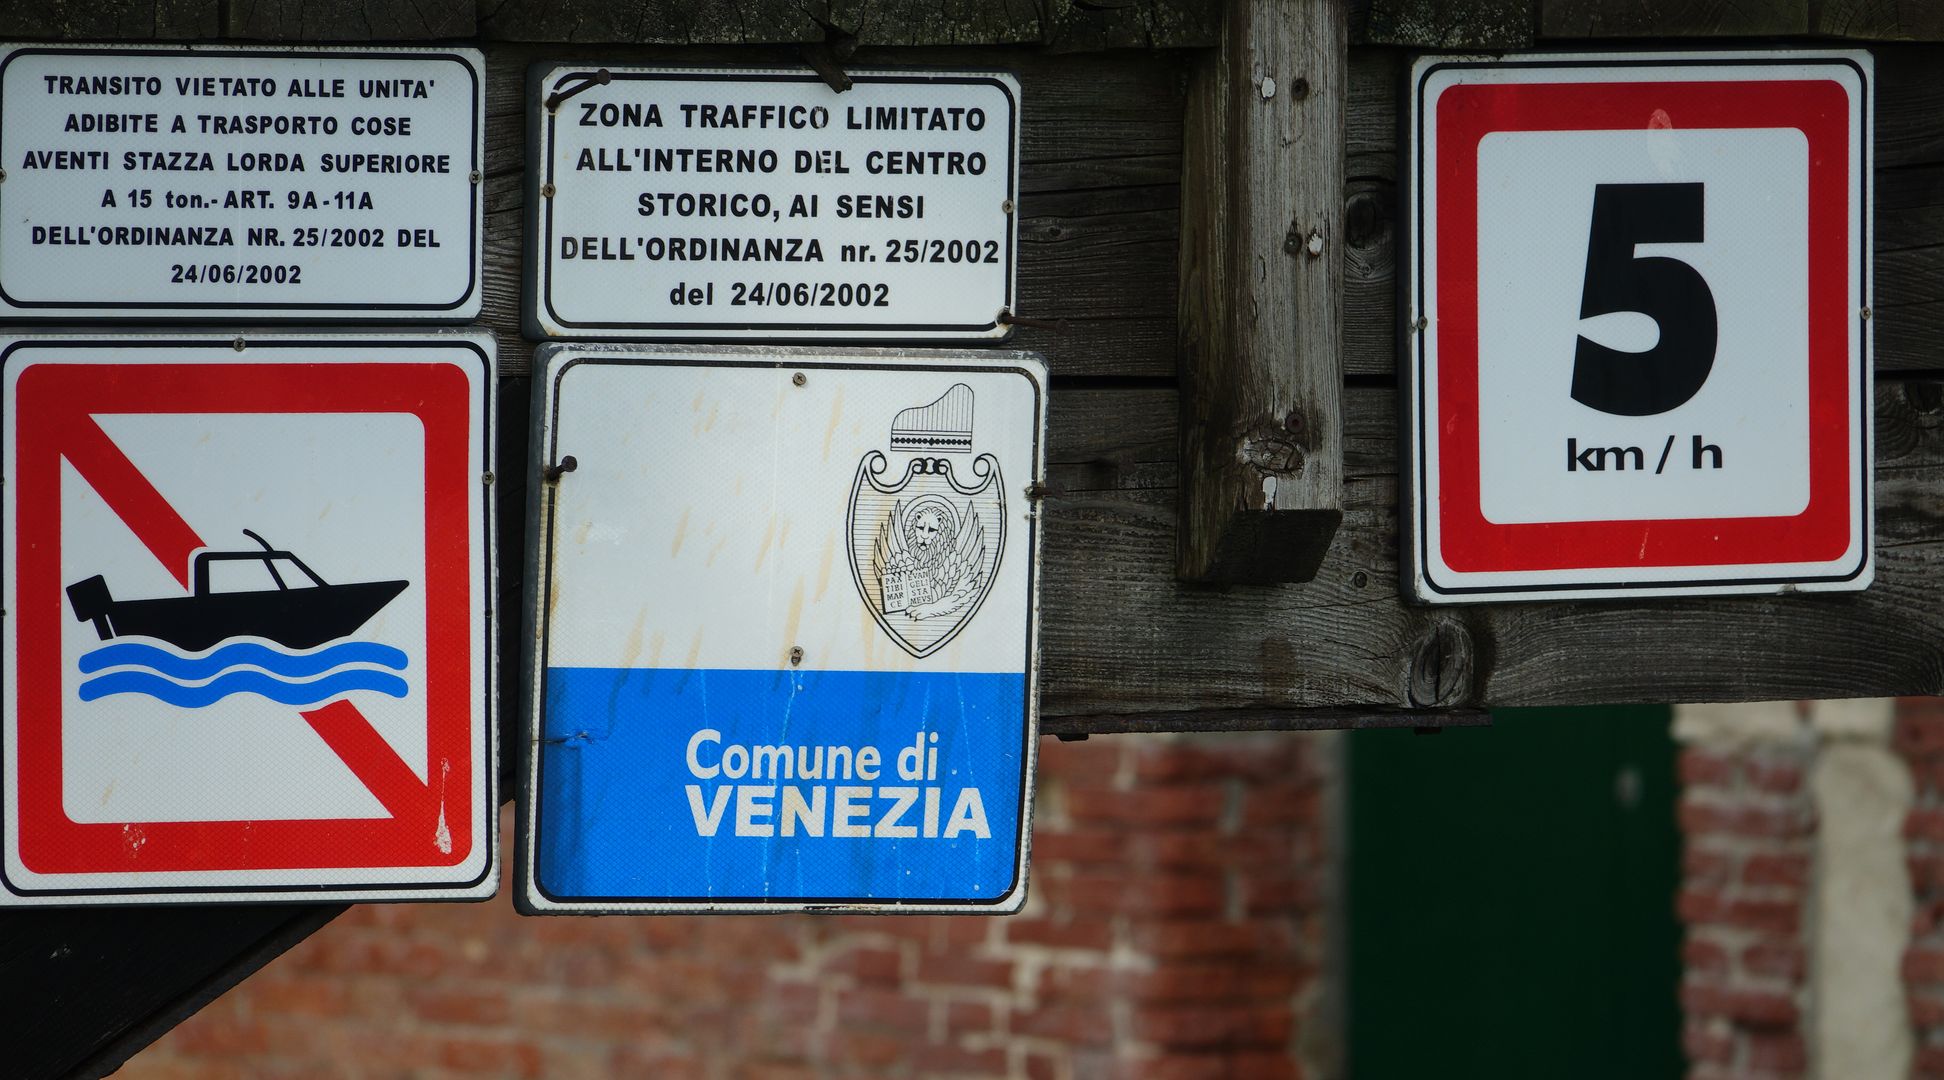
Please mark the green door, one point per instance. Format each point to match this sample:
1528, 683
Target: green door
1511, 899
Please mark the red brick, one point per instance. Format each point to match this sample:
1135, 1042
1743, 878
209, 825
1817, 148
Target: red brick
1769, 958
1094, 934
1240, 757
1698, 767
1041, 1067
446, 1006
1768, 774
1704, 958
1749, 1007
1777, 1053
1919, 730
882, 1010
1925, 823
1210, 1027
1923, 964
1926, 1010
960, 970
1215, 983
1086, 847
1149, 808
1791, 871
1705, 1045
1267, 893
1191, 938
1079, 1025
222, 1035
303, 996
868, 965
866, 1048
1759, 820
495, 1057
1930, 1062
937, 1059
1153, 894
967, 1018
1281, 804
1700, 867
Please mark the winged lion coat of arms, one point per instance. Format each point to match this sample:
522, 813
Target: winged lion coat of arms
925, 546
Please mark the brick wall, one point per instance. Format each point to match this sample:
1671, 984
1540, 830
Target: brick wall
1749, 830
1920, 740
1176, 929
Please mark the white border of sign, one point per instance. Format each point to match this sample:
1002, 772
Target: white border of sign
416, 884
541, 324
1426, 578
465, 307
550, 362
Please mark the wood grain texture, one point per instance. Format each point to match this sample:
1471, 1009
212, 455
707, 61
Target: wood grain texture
109, 20
1879, 20
1121, 637
1452, 24
1087, 25
1672, 18
349, 20
1261, 302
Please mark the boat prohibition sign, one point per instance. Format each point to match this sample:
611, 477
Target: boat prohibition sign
300, 617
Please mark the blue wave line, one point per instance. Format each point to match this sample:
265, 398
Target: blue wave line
237, 654
241, 682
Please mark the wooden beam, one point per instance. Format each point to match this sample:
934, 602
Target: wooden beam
1262, 207
109, 20
1672, 18
1451, 24
349, 20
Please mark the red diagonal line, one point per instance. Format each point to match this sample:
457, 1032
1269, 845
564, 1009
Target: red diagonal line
350, 736
129, 494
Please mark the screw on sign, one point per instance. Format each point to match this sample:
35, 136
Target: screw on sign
785, 631
1639, 284
251, 652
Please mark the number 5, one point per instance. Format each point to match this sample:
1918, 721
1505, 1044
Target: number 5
1666, 290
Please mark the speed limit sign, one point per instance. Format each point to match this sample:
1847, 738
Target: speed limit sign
1637, 307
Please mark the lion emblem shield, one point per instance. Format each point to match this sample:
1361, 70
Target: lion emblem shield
925, 542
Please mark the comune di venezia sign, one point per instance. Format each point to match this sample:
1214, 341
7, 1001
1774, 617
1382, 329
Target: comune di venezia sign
725, 204
224, 182
784, 630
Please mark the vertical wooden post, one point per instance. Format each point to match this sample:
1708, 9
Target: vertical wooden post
1261, 295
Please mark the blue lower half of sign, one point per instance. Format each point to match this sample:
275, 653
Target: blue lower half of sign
774, 786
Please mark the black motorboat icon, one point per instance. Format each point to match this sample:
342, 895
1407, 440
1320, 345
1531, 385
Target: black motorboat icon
295, 615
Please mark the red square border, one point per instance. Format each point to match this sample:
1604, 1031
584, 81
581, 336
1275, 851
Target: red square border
429, 826
1469, 542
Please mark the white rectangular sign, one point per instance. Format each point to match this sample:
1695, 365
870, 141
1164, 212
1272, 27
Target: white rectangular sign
749, 204
196, 182
1639, 293
248, 651
784, 622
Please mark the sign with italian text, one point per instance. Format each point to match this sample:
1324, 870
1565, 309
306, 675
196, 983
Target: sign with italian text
672, 204
248, 647
178, 183
1638, 325
785, 627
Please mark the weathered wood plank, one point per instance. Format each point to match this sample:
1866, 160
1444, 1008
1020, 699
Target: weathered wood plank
1086, 25
1120, 636
1261, 301
349, 20
109, 20
1452, 24
1672, 18
1878, 20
